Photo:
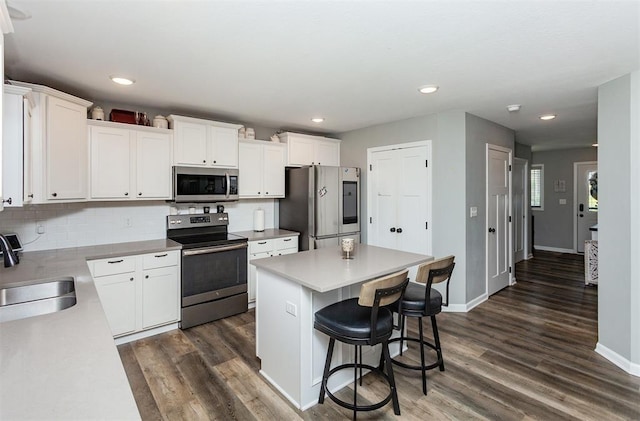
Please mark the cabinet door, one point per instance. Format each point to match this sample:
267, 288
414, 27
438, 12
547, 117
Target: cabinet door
252, 275
300, 150
224, 147
153, 165
28, 147
160, 296
118, 297
273, 173
250, 165
66, 150
327, 153
12, 150
190, 144
110, 163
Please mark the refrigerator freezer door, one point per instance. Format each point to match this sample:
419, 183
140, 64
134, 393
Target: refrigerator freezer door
326, 200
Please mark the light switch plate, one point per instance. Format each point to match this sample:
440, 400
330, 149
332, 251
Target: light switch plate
563, 201
473, 211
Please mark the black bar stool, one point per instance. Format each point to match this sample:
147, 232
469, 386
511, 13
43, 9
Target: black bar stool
422, 301
363, 321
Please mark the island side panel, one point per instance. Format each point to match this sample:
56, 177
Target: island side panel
278, 332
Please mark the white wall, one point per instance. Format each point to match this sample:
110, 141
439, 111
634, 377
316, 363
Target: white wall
86, 224
618, 228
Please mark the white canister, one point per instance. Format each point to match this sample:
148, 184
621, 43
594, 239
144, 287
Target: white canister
160, 122
250, 133
97, 113
258, 220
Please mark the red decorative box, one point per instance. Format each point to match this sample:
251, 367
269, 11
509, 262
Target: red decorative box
123, 116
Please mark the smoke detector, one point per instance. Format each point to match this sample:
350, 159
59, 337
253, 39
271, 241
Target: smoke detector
513, 108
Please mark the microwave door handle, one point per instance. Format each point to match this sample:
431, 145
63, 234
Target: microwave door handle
226, 174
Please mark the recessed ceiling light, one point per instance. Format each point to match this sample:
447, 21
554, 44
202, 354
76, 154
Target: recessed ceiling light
122, 80
513, 108
317, 119
428, 89
547, 117
595, 145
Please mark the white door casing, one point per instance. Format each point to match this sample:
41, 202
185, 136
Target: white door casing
587, 216
498, 227
520, 178
399, 197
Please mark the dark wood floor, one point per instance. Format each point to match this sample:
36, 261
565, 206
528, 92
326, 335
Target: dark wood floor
526, 353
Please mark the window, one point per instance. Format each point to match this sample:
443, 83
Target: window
537, 187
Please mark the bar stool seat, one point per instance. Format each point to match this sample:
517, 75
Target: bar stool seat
362, 321
414, 300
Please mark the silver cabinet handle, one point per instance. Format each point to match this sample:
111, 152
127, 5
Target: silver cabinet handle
262, 242
161, 255
287, 239
209, 250
226, 174
115, 261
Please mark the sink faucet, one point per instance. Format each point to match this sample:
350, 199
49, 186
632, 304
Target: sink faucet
10, 257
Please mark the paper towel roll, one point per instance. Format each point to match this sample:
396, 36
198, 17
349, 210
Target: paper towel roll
258, 220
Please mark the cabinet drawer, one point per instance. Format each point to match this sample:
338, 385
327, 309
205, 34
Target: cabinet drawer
160, 259
114, 266
261, 246
286, 243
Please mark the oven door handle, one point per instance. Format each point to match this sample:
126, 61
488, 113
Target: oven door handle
226, 174
209, 250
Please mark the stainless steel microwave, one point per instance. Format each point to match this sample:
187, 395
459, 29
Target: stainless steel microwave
204, 184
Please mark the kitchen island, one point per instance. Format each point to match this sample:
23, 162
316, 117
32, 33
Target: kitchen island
290, 289
64, 365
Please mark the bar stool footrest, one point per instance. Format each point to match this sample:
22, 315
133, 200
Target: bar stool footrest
437, 363
351, 406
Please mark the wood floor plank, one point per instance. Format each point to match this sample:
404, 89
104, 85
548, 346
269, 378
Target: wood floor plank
527, 353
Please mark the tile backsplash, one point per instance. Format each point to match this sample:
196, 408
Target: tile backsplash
91, 223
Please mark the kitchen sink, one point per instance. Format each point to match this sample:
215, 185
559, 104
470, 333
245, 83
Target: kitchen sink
36, 299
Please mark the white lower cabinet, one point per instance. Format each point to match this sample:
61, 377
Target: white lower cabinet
138, 292
267, 248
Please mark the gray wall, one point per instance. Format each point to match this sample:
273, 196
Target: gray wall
618, 233
522, 151
554, 224
479, 132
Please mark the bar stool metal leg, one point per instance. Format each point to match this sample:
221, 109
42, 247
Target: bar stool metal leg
392, 381
325, 374
424, 369
436, 338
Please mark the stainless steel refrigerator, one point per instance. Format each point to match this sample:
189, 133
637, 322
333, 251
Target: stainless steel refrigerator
323, 204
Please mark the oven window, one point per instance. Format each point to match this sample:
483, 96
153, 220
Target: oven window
198, 185
202, 273
349, 202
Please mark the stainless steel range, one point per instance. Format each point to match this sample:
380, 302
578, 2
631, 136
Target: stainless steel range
214, 267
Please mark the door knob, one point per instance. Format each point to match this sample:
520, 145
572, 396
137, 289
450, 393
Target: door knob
581, 216
492, 230
399, 231
7, 201
392, 229
54, 194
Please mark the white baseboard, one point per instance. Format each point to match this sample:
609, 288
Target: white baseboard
145, 333
556, 249
619, 360
465, 308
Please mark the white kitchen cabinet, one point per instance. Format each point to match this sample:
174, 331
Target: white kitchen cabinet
139, 292
129, 163
261, 166
305, 149
204, 143
58, 164
267, 248
16, 112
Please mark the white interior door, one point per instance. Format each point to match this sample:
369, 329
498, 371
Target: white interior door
586, 193
498, 204
399, 197
520, 198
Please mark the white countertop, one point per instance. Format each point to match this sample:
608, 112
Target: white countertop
267, 234
324, 270
65, 365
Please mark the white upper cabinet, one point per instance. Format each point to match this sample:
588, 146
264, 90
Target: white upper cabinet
59, 160
204, 143
262, 166
16, 112
129, 163
305, 149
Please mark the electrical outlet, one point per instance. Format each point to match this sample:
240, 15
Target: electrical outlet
292, 309
128, 223
40, 229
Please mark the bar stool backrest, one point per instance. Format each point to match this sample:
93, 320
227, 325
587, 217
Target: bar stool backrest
368, 290
434, 272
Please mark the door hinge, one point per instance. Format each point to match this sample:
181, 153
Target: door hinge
426, 163
509, 167
426, 225
509, 269
371, 220
370, 167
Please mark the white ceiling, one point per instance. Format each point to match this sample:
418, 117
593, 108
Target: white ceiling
356, 63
